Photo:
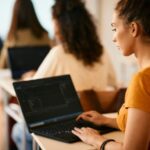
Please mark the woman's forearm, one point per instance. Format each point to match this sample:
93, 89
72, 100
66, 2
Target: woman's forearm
111, 122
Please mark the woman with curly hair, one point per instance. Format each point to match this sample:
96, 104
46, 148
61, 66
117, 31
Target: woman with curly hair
79, 52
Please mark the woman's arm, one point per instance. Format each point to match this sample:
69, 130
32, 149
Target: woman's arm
3, 57
137, 134
98, 119
111, 122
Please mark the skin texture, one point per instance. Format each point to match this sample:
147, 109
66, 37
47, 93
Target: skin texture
122, 37
128, 38
98, 119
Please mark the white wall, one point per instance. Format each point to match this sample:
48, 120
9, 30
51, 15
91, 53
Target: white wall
42, 8
5, 16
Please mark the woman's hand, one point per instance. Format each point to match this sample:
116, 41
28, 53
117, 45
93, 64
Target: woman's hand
94, 117
28, 75
89, 136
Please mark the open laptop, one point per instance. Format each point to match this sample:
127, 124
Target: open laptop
26, 58
50, 107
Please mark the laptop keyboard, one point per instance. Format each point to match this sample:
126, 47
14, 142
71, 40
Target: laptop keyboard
62, 130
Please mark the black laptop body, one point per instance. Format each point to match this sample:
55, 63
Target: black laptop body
50, 107
26, 58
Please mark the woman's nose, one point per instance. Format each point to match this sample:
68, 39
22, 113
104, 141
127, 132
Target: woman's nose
114, 39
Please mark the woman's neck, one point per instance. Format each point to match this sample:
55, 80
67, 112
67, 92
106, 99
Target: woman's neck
143, 54
143, 58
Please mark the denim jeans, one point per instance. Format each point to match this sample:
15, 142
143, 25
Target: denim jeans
17, 136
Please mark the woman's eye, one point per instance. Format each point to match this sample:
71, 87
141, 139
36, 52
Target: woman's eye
114, 29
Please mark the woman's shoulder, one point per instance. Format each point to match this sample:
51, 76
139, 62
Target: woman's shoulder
23, 31
26, 37
9, 43
142, 76
145, 72
57, 50
138, 92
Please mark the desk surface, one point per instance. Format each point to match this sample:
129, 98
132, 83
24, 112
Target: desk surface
46, 143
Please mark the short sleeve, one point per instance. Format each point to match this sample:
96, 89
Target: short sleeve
122, 118
138, 93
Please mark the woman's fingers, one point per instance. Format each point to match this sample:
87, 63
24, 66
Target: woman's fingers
83, 130
78, 132
87, 135
86, 115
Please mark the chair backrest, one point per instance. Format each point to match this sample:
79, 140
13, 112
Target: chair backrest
118, 100
102, 101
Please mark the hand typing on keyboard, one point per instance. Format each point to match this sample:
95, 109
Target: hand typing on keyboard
83, 123
93, 117
101, 128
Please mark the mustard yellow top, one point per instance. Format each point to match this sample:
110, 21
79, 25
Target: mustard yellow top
137, 96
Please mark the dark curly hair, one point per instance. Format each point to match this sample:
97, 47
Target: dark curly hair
24, 17
135, 10
77, 30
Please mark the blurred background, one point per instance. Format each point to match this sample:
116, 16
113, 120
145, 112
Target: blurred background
102, 11
42, 8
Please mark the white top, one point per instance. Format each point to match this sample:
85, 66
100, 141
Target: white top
96, 77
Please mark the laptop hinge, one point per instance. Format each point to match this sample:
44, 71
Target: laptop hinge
53, 120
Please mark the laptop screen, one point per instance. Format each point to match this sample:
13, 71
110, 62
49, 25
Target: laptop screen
47, 99
23, 59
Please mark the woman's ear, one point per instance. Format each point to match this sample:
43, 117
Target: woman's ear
134, 29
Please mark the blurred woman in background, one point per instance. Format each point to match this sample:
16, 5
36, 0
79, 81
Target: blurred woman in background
79, 52
25, 29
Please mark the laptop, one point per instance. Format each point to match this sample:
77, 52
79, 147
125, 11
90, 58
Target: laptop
50, 107
26, 58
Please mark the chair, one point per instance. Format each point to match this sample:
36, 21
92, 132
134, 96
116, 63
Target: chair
102, 101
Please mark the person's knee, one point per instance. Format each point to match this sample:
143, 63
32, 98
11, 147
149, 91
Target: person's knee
16, 132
